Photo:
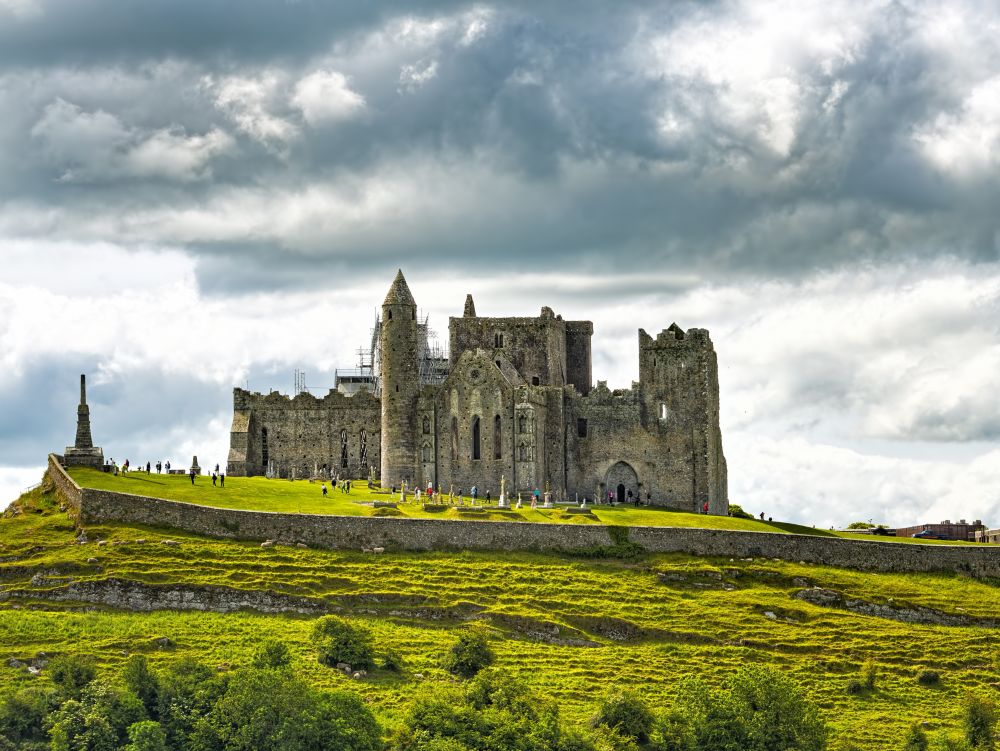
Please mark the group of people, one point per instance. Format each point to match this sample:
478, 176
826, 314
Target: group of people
344, 486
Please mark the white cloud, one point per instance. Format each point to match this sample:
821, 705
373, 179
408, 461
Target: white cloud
87, 146
16, 480
252, 103
414, 75
20, 8
967, 140
324, 96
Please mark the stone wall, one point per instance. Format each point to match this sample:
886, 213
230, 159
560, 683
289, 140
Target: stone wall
69, 490
436, 534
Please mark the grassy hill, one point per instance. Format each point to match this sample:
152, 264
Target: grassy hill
569, 626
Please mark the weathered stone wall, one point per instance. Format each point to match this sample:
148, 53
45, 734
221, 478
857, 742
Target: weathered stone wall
432, 534
63, 482
302, 433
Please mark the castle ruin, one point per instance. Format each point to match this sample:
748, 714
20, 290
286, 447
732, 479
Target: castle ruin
515, 400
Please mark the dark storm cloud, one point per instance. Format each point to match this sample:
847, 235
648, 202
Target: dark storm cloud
283, 144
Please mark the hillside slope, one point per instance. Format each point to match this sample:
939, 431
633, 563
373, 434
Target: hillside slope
569, 625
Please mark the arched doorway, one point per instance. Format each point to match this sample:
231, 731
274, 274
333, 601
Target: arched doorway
621, 478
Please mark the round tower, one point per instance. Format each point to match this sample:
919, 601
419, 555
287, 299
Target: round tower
400, 384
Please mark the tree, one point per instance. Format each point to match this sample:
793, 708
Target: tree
146, 736
271, 654
336, 640
626, 714
141, 681
272, 710
979, 721
187, 691
468, 655
22, 714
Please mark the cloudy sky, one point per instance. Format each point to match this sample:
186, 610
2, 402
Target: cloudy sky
197, 194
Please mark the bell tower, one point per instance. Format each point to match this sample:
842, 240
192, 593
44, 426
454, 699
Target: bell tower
400, 384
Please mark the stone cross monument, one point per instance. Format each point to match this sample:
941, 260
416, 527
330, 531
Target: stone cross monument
83, 453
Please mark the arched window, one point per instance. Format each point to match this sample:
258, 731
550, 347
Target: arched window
663, 411
363, 453
343, 449
425, 453
522, 424
454, 439
390, 315
522, 452
498, 340
497, 437
475, 438
264, 454
427, 425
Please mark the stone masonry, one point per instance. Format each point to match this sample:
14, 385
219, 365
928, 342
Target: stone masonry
518, 403
83, 452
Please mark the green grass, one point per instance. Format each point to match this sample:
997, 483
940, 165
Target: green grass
305, 497
648, 623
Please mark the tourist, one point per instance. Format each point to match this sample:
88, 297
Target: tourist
628, 496
324, 489
488, 499
147, 468
216, 467
348, 486
192, 475
222, 480
168, 466
475, 492
214, 479
704, 508
535, 496
762, 516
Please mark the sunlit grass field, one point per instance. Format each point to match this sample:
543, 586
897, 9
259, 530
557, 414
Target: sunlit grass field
570, 627
305, 497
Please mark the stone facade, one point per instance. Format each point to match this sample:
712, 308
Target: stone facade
518, 403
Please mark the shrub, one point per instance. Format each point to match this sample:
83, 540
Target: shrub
855, 687
393, 661
928, 678
736, 511
271, 655
916, 740
336, 640
72, 672
626, 714
468, 655
869, 674
22, 715
980, 717
146, 736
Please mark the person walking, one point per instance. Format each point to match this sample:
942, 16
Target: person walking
192, 475
214, 478
168, 466
222, 480
324, 489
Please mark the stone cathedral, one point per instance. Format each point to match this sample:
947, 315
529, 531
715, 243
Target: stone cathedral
514, 398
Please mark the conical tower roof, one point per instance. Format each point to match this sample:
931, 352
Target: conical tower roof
399, 292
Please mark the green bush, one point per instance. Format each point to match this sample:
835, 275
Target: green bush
855, 687
393, 661
271, 655
916, 740
336, 640
468, 655
737, 512
626, 714
22, 714
980, 716
141, 681
929, 678
869, 674
146, 736
72, 672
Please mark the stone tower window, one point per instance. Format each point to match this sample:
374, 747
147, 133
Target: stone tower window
343, 449
264, 455
663, 411
498, 340
427, 425
497, 437
425, 453
522, 452
581, 427
535, 380
476, 453
363, 455
522, 424
454, 439
389, 315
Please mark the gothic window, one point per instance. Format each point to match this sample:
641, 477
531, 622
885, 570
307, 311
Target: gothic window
522, 424
425, 453
454, 439
498, 340
427, 425
497, 437
475, 438
343, 449
663, 411
581, 427
263, 446
522, 452
363, 454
